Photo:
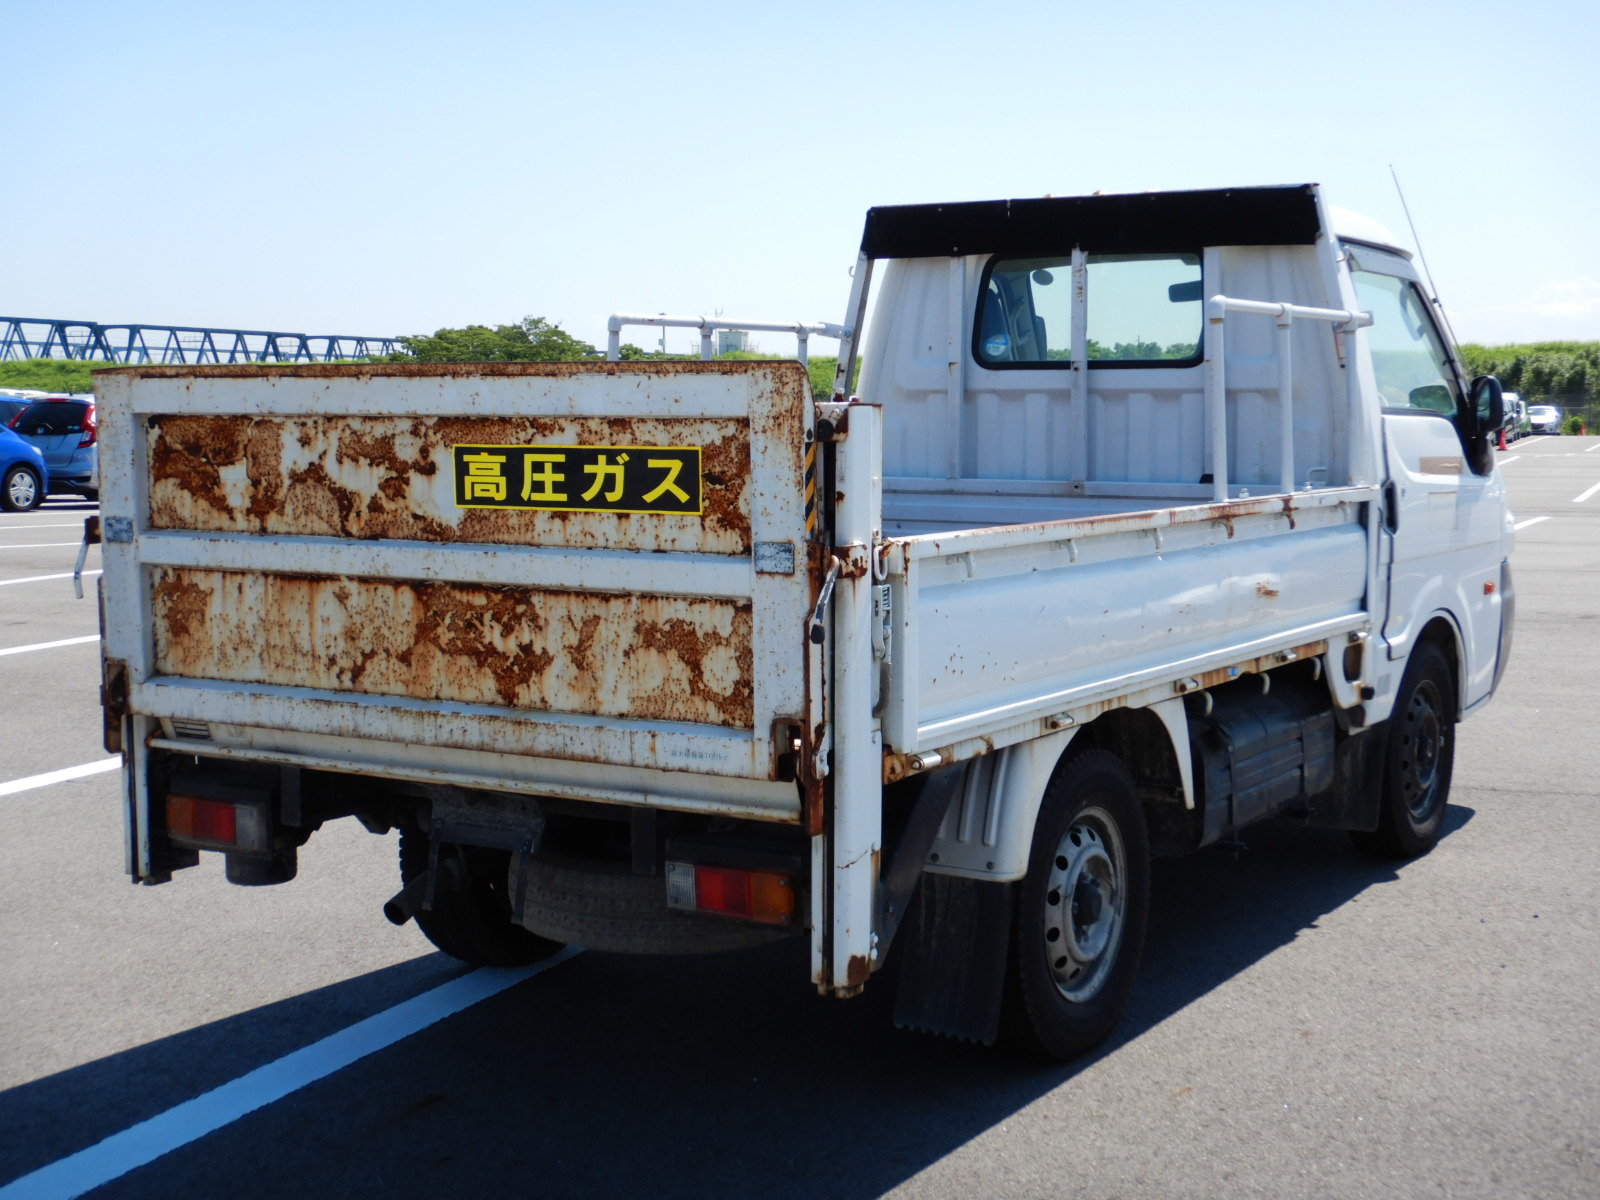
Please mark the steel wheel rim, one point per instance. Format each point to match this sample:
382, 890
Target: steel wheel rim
1084, 905
21, 489
1423, 746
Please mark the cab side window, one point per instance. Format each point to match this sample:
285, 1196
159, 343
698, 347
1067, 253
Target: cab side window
1408, 356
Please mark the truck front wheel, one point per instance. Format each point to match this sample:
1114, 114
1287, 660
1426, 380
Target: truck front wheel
473, 922
1081, 914
1419, 759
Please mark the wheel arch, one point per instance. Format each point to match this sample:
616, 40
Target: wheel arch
1154, 746
1443, 631
1003, 792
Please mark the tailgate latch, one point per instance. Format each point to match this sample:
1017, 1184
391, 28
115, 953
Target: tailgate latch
882, 622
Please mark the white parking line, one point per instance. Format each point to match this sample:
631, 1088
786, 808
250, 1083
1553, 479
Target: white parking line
29, 782
1592, 449
42, 578
1586, 495
66, 525
94, 637
1506, 462
37, 545
194, 1119
1529, 521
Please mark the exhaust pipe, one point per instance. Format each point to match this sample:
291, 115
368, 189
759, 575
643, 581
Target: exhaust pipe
422, 891
407, 902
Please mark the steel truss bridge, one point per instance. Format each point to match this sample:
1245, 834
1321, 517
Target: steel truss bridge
35, 337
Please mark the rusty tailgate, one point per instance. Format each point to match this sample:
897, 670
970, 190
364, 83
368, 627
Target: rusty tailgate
381, 531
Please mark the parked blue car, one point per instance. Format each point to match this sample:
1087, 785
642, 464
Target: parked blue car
64, 430
24, 480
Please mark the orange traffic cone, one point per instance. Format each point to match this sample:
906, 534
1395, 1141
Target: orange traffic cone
1502, 437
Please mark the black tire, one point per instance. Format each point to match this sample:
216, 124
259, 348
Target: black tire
1079, 928
21, 490
1419, 759
473, 924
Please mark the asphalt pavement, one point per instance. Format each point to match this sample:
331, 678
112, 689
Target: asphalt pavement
1309, 1022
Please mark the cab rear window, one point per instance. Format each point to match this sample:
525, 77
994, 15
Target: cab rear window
1143, 310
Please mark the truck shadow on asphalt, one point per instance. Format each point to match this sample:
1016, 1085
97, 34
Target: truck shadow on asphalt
621, 1076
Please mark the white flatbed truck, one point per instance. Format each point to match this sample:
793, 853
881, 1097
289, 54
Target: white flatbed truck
1155, 515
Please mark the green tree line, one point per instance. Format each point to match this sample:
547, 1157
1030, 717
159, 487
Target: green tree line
533, 339
1539, 370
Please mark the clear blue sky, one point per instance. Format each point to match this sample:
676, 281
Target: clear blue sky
393, 168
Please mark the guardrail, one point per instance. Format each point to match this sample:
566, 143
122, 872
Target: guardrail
709, 325
43, 337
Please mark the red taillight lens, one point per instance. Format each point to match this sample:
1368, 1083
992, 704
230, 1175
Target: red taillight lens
767, 896
718, 889
90, 428
199, 820
218, 824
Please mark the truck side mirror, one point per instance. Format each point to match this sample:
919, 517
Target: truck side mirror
1488, 404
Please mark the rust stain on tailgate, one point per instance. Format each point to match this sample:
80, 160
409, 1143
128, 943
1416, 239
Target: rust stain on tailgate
390, 477
599, 654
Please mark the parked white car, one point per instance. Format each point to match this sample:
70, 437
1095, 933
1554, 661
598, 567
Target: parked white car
1545, 418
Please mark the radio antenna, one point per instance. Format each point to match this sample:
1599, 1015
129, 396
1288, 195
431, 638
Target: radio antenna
1421, 254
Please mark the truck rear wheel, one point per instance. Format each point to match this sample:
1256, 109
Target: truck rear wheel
1419, 759
473, 923
1079, 928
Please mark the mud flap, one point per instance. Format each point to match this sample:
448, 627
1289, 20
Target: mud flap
1354, 800
953, 949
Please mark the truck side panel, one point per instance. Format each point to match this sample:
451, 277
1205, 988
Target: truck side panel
996, 634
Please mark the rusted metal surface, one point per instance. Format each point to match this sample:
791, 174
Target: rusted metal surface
113, 701
638, 656
858, 971
427, 370
900, 765
1254, 666
814, 728
391, 477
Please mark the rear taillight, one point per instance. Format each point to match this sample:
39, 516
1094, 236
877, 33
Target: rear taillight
218, 824
90, 428
767, 896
